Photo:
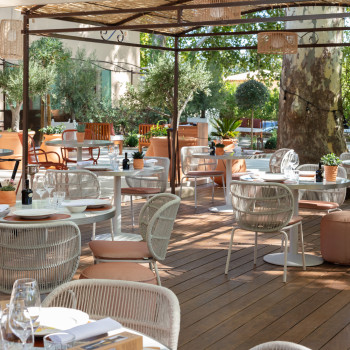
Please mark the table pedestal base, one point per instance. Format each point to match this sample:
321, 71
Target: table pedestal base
222, 209
293, 259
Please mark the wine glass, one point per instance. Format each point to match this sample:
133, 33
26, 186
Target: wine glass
26, 291
39, 187
294, 160
20, 322
49, 184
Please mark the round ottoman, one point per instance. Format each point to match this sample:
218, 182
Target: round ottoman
125, 271
335, 237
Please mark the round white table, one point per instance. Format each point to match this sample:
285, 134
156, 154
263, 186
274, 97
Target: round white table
229, 157
79, 145
86, 217
294, 258
5, 152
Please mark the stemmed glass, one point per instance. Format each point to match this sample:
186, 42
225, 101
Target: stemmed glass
49, 183
294, 160
39, 187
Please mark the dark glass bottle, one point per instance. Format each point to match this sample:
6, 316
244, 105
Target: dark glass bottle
27, 194
212, 149
319, 176
126, 162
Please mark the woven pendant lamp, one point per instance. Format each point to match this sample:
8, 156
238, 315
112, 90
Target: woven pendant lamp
215, 13
278, 42
11, 39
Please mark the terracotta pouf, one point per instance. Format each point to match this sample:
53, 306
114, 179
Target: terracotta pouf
125, 271
335, 237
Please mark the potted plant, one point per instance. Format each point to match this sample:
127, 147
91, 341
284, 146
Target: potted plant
138, 160
225, 128
330, 162
80, 132
219, 151
51, 133
8, 193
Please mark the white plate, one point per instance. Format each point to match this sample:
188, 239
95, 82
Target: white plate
98, 167
34, 214
93, 203
53, 319
75, 203
273, 177
307, 173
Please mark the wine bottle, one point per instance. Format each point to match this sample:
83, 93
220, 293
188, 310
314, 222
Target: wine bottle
27, 194
319, 176
126, 162
212, 149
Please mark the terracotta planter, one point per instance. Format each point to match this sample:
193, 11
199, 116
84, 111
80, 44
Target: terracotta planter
219, 151
330, 173
10, 140
80, 136
8, 197
57, 149
138, 163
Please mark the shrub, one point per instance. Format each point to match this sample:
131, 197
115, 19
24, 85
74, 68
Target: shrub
271, 143
131, 140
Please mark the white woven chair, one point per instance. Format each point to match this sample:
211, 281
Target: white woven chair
328, 200
48, 253
197, 168
280, 159
264, 207
79, 184
148, 182
156, 223
346, 156
151, 310
279, 345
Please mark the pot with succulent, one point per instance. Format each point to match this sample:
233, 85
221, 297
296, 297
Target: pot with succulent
8, 193
51, 133
80, 132
138, 160
219, 150
225, 129
331, 163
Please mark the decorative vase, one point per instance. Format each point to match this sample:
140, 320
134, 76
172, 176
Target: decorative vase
330, 172
219, 151
138, 163
80, 136
8, 197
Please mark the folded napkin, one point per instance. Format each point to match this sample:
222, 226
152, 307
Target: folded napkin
149, 162
4, 207
306, 179
84, 163
88, 330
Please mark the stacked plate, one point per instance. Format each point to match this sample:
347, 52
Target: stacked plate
34, 214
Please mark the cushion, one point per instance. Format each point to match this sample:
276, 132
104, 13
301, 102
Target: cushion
140, 190
205, 173
125, 271
318, 205
294, 220
119, 250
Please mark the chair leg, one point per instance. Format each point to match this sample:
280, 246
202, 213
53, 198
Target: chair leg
132, 212
302, 245
285, 255
195, 193
255, 248
93, 231
112, 232
224, 185
229, 251
157, 273
212, 189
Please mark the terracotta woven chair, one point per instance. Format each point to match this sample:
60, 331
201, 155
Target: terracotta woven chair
49, 253
264, 207
197, 168
151, 310
156, 223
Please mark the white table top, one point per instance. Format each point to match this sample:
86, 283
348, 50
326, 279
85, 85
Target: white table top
325, 185
75, 143
130, 172
229, 155
86, 217
5, 152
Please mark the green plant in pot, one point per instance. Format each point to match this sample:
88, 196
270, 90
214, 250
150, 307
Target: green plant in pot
331, 163
138, 160
80, 132
157, 130
219, 150
51, 130
8, 193
225, 127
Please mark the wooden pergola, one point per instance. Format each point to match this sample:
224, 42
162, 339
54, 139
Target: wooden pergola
176, 19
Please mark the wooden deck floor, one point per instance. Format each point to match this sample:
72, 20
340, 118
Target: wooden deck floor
250, 306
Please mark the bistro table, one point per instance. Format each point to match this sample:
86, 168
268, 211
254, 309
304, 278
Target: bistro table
79, 145
294, 258
5, 152
229, 156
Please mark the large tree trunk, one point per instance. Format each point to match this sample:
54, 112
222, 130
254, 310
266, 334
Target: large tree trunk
15, 111
310, 92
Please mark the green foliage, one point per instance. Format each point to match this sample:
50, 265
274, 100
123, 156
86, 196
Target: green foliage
251, 95
8, 186
138, 155
131, 140
270, 109
219, 145
225, 127
50, 130
271, 143
157, 130
330, 159
81, 128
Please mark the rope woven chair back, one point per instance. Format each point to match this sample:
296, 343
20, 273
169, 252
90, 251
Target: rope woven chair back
151, 310
279, 345
76, 184
279, 157
189, 163
148, 178
336, 195
48, 253
345, 156
151, 208
261, 207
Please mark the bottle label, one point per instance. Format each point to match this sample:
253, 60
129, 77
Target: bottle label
30, 194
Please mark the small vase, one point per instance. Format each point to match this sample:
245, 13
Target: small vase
219, 151
138, 163
8, 197
80, 136
330, 172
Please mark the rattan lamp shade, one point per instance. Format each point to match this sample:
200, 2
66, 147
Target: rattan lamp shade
11, 39
215, 13
278, 42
